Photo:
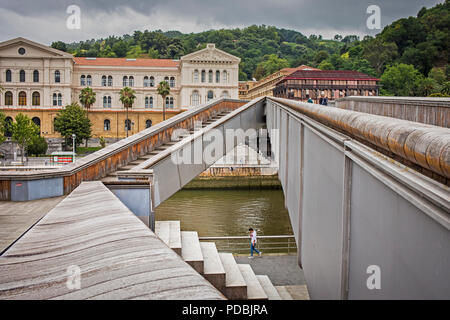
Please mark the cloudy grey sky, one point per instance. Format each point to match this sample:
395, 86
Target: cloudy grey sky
45, 20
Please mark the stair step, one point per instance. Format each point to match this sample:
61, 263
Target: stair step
213, 270
284, 294
235, 286
191, 251
175, 237
169, 233
125, 168
268, 287
254, 289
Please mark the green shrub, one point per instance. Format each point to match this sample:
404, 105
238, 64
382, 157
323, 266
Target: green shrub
38, 146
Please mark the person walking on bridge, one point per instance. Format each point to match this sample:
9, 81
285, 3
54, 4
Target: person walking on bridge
253, 243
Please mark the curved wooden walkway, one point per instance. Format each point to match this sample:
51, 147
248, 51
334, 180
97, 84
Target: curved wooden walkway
118, 256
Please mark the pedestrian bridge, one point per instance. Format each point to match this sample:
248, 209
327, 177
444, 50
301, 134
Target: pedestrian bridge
368, 196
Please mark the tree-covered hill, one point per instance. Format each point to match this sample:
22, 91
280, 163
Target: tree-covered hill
420, 42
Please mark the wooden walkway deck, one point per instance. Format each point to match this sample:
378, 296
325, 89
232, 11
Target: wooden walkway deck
118, 256
17, 217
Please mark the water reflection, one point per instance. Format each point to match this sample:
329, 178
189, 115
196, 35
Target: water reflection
228, 212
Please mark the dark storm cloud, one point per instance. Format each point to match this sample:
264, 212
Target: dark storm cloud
44, 20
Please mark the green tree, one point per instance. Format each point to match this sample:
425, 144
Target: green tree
326, 65
38, 146
163, 90
379, 54
321, 56
127, 97
400, 80
73, 120
425, 86
260, 72
438, 75
2, 127
23, 131
87, 99
273, 63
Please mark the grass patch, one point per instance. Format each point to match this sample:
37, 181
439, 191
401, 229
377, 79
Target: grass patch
84, 150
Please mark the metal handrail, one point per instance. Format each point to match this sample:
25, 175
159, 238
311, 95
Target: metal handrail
265, 244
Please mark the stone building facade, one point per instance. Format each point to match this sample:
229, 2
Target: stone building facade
38, 80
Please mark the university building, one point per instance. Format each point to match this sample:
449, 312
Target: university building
39, 81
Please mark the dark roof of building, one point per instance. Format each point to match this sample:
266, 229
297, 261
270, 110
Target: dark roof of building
328, 75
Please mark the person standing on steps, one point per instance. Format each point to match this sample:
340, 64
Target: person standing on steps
253, 243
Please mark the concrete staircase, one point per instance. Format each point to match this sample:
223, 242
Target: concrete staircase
112, 178
235, 281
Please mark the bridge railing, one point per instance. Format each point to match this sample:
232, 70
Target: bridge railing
359, 200
266, 244
36, 184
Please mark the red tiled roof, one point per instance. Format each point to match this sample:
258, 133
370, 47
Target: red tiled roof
329, 75
124, 62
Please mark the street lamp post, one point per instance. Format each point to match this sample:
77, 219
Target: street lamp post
73, 145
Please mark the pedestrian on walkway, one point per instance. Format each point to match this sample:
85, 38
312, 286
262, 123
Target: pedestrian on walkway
309, 99
253, 243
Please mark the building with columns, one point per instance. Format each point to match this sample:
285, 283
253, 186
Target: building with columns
332, 84
39, 81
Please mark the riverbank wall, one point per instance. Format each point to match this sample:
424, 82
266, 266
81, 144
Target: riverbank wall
236, 178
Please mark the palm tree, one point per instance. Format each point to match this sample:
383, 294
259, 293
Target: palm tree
127, 97
87, 99
164, 91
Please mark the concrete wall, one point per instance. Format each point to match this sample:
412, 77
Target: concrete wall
352, 208
434, 111
36, 189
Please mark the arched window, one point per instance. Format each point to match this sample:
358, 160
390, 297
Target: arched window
217, 76
22, 76
8, 122
203, 76
83, 80
106, 125
89, 81
146, 83
107, 102
171, 102
127, 125
210, 95
195, 75
131, 81
110, 81
195, 98
55, 99
59, 99
152, 81
125, 81
172, 82
148, 123
103, 81
36, 99
57, 76
167, 102
225, 94
146, 101
35, 76
210, 76
22, 98
8, 98
8, 76
224, 76
166, 79
149, 102
36, 121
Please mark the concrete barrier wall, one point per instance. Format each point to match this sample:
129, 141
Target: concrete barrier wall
97, 165
434, 111
353, 208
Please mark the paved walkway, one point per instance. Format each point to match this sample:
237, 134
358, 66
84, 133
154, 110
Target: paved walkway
17, 217
283, 271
